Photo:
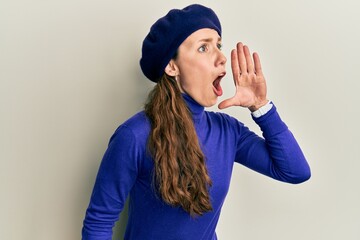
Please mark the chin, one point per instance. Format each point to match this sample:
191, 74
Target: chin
210, 103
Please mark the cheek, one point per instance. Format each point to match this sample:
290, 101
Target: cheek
197, 69
202, 65
194, 74
196, 62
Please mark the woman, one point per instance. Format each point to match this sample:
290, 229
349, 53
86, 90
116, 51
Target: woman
174, 159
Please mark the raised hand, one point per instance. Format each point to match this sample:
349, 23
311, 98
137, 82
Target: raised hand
248, 78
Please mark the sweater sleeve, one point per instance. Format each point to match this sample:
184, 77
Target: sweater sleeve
116, 176
277, 155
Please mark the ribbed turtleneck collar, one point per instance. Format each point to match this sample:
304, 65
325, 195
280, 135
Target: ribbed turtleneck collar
196, 109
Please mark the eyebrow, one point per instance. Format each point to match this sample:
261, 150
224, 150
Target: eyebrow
209, 40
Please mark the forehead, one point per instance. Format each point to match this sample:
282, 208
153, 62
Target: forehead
204, 34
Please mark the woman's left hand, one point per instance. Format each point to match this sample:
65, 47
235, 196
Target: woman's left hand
249, 80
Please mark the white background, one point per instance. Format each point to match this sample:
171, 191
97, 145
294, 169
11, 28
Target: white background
69, 75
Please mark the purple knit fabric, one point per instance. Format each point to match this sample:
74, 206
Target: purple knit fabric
126, 170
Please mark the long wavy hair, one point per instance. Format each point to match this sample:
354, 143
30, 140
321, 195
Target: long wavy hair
180, 173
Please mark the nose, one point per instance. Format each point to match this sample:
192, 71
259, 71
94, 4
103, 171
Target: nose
221, 59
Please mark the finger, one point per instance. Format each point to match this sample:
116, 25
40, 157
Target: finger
241, 58
227, 103
249, 61
235, 66
257, 62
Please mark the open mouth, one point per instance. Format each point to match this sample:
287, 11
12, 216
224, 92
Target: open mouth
216, 85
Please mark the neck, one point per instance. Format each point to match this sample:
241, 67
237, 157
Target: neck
195, 108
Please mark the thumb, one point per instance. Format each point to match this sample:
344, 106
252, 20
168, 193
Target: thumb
227, 103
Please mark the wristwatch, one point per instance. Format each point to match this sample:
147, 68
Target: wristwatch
263, 110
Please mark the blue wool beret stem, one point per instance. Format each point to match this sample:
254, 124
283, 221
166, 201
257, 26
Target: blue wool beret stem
167, 34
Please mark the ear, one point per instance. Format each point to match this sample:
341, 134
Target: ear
172, 69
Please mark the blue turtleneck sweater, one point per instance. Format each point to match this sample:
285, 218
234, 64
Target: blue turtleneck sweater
126, 169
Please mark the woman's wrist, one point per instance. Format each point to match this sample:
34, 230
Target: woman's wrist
262, 110
256, 107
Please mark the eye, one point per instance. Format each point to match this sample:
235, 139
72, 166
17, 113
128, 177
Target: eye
203, 48
219, 46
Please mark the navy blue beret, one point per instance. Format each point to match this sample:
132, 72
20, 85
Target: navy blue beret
167, 34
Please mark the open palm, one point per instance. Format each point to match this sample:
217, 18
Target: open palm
248, 78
